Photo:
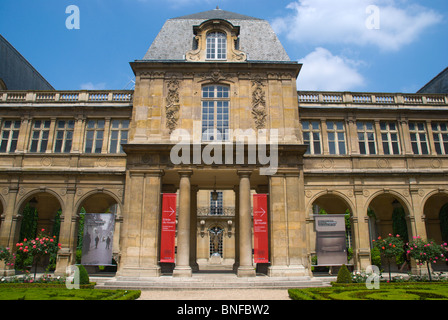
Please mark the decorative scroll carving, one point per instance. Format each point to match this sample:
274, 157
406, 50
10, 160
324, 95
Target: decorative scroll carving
216, 76
237, 55
195, 54
209, 211
259, 104
172, 104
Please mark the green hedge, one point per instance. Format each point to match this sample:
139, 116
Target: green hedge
389, 291
62, 293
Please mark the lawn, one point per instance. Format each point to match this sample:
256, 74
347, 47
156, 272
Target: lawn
387, 291
19, 292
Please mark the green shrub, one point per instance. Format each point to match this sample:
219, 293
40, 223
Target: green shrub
83, 275
344, 276
375, 256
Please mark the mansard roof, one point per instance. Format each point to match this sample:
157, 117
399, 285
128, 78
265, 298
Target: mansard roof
257, 38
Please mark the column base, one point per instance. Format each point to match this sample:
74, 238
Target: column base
182, 272
288, 271
246, 271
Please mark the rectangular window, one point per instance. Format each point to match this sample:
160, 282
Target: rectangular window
118, 135
440, 134
366, 137
39, 135
336, 137
419, 141
94, 136
389, 135
216, 46
215, 113
9, 135
64, 136
311, 136
216, 207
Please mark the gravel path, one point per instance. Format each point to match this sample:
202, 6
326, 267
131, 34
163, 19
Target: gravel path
216, 294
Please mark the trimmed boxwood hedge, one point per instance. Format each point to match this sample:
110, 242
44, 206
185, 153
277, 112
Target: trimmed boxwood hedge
387, 291
49, 291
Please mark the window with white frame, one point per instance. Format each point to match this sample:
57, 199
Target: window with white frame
39, 135
216, 207
9, 135
94, 136
390, 137
118, 135
64, 136
216, 46
440, 134
336, 137
215, 113
419, 141
366, 137
311, 136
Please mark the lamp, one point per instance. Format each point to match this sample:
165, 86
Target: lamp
396, 204
33, 202
229, 232
215, 193
202, 223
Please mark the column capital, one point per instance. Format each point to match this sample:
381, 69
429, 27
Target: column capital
243, 173
184, 173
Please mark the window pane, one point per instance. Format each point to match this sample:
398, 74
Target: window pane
342, 148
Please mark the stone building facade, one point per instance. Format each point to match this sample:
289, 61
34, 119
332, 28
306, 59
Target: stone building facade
204, 76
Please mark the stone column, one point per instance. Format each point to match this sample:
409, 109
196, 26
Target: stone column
245, 268
287, 225
67, 234
193, 228
183, 268
141, 224
10, 227
236, 228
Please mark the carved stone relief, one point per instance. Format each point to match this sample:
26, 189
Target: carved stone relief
259, 104
172, 104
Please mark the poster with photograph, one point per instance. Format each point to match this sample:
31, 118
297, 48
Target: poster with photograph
98, 239
331, 248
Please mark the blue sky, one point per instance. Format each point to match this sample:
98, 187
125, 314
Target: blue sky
344, 45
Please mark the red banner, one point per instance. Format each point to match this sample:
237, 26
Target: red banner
261, 246
167, 239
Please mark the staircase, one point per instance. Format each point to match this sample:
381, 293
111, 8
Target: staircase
211, 280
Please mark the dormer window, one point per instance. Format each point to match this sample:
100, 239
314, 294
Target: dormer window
215, 40
216, 46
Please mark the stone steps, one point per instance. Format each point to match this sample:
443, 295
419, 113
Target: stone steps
224, 281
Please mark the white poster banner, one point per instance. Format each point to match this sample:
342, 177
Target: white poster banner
98, 239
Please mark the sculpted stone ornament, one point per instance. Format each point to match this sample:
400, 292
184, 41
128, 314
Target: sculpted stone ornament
172, 104
259, 105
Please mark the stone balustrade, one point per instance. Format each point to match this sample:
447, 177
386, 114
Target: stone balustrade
321, 97
123, 96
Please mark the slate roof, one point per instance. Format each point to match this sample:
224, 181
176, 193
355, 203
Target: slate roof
257, 39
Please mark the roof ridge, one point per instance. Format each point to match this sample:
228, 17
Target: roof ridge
216, 14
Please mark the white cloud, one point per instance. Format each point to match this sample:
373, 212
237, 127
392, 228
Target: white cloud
92, 86
344, 22
324, 71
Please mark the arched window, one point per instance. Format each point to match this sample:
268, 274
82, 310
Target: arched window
216, 46
215, 113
